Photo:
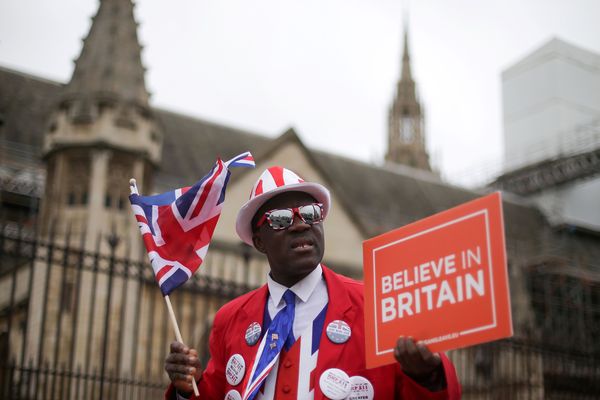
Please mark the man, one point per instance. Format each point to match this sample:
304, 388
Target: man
300, 336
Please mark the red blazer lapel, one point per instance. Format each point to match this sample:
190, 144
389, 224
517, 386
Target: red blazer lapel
252, 310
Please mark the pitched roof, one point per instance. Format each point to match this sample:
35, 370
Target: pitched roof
26, 103
378, 198
191, 146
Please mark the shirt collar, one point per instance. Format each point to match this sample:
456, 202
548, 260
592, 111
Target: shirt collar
303, 289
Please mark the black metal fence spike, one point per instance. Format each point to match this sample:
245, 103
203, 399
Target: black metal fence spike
68, 234
53, 229
82, 239
128, 249
98, 242
113, 240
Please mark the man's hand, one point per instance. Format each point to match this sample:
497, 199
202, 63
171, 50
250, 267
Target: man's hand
419, 363
182, 365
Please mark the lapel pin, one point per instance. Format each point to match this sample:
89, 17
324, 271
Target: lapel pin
253, 333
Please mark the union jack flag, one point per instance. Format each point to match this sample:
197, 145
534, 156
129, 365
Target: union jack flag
177, 226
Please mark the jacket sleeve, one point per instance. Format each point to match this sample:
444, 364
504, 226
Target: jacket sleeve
407, 388
212, 382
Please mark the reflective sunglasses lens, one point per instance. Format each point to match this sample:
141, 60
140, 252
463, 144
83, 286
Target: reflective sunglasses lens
281, 219
310, 214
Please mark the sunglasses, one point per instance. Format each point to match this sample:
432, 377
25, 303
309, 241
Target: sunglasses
283, 218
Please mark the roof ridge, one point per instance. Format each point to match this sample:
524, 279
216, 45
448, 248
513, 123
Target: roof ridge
31, 75
397, 169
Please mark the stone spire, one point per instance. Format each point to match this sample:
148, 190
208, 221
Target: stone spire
406, 76
102, 133
110, 66
406, 137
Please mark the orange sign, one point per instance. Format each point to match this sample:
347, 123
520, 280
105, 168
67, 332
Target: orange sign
442, 280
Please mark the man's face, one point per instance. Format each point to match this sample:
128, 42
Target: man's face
293, 253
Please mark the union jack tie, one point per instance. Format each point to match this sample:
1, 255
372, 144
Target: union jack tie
280, 333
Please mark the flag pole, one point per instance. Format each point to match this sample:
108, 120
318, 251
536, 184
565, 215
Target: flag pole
178, 336
134, 190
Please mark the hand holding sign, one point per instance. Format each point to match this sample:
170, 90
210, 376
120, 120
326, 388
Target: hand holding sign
415, 358
419, 363
441, 280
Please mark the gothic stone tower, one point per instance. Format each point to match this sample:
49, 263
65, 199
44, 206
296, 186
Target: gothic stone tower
406, 136
102, 133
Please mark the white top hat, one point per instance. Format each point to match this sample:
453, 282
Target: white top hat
273, 181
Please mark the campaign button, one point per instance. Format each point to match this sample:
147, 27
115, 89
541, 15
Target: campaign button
335, 384
338, 331
360, 389
235, 369
233, 395
253, 333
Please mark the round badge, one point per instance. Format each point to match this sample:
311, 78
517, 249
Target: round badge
335, 384
253, 333
235, 369
338, 331
360, 389
233, 395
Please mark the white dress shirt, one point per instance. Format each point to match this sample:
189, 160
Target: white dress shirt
311, 297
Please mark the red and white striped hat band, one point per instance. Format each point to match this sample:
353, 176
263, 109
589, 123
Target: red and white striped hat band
273, 181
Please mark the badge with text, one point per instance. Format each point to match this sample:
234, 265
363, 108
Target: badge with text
235, 369
442, 280
233, 395
338, 331
335, 384
360, 389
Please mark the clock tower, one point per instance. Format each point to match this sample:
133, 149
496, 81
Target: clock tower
406, 136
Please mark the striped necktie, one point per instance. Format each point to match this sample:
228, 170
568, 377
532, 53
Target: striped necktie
280, 333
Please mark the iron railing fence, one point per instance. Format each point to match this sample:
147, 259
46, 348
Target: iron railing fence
44, 382
76, 323
522, 369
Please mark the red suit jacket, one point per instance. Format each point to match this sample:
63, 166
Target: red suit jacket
346, 304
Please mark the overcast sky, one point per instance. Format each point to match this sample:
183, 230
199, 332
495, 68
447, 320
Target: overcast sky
326, 67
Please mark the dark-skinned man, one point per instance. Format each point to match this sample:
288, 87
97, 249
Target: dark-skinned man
300, 336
